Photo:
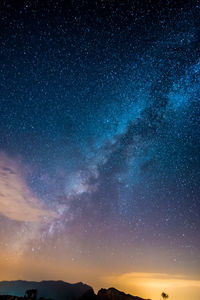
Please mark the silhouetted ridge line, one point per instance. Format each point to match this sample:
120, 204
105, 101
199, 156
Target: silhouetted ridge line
58, 290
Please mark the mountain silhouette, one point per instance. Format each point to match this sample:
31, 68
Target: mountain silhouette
57, 290
108, 294
114, 294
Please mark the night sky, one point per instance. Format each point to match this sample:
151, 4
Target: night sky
99, 144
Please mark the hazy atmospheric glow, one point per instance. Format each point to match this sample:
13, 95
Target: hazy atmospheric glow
99, 145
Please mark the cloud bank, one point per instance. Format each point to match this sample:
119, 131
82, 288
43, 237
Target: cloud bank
17, 201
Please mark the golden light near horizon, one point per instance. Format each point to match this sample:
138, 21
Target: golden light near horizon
151, 285
145, 285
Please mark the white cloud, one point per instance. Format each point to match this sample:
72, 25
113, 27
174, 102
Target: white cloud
17, 201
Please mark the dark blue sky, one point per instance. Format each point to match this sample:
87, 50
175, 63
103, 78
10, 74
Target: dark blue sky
100, 115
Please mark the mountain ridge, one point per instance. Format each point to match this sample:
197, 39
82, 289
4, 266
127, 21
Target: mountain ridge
61, 290
57, 290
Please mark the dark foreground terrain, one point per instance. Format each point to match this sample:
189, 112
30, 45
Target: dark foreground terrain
57, 290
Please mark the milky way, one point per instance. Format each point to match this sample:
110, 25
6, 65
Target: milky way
99, 137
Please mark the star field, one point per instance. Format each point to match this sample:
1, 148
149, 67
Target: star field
99, 140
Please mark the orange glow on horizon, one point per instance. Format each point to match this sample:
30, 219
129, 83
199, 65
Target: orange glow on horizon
145, 285
151, 285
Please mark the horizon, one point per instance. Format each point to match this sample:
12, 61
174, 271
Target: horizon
135, 289
99, 144
126, 291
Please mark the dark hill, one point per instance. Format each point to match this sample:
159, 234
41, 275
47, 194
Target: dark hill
60, 290
108, 294
114, 294
57, 290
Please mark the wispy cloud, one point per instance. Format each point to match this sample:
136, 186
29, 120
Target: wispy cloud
17, 201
